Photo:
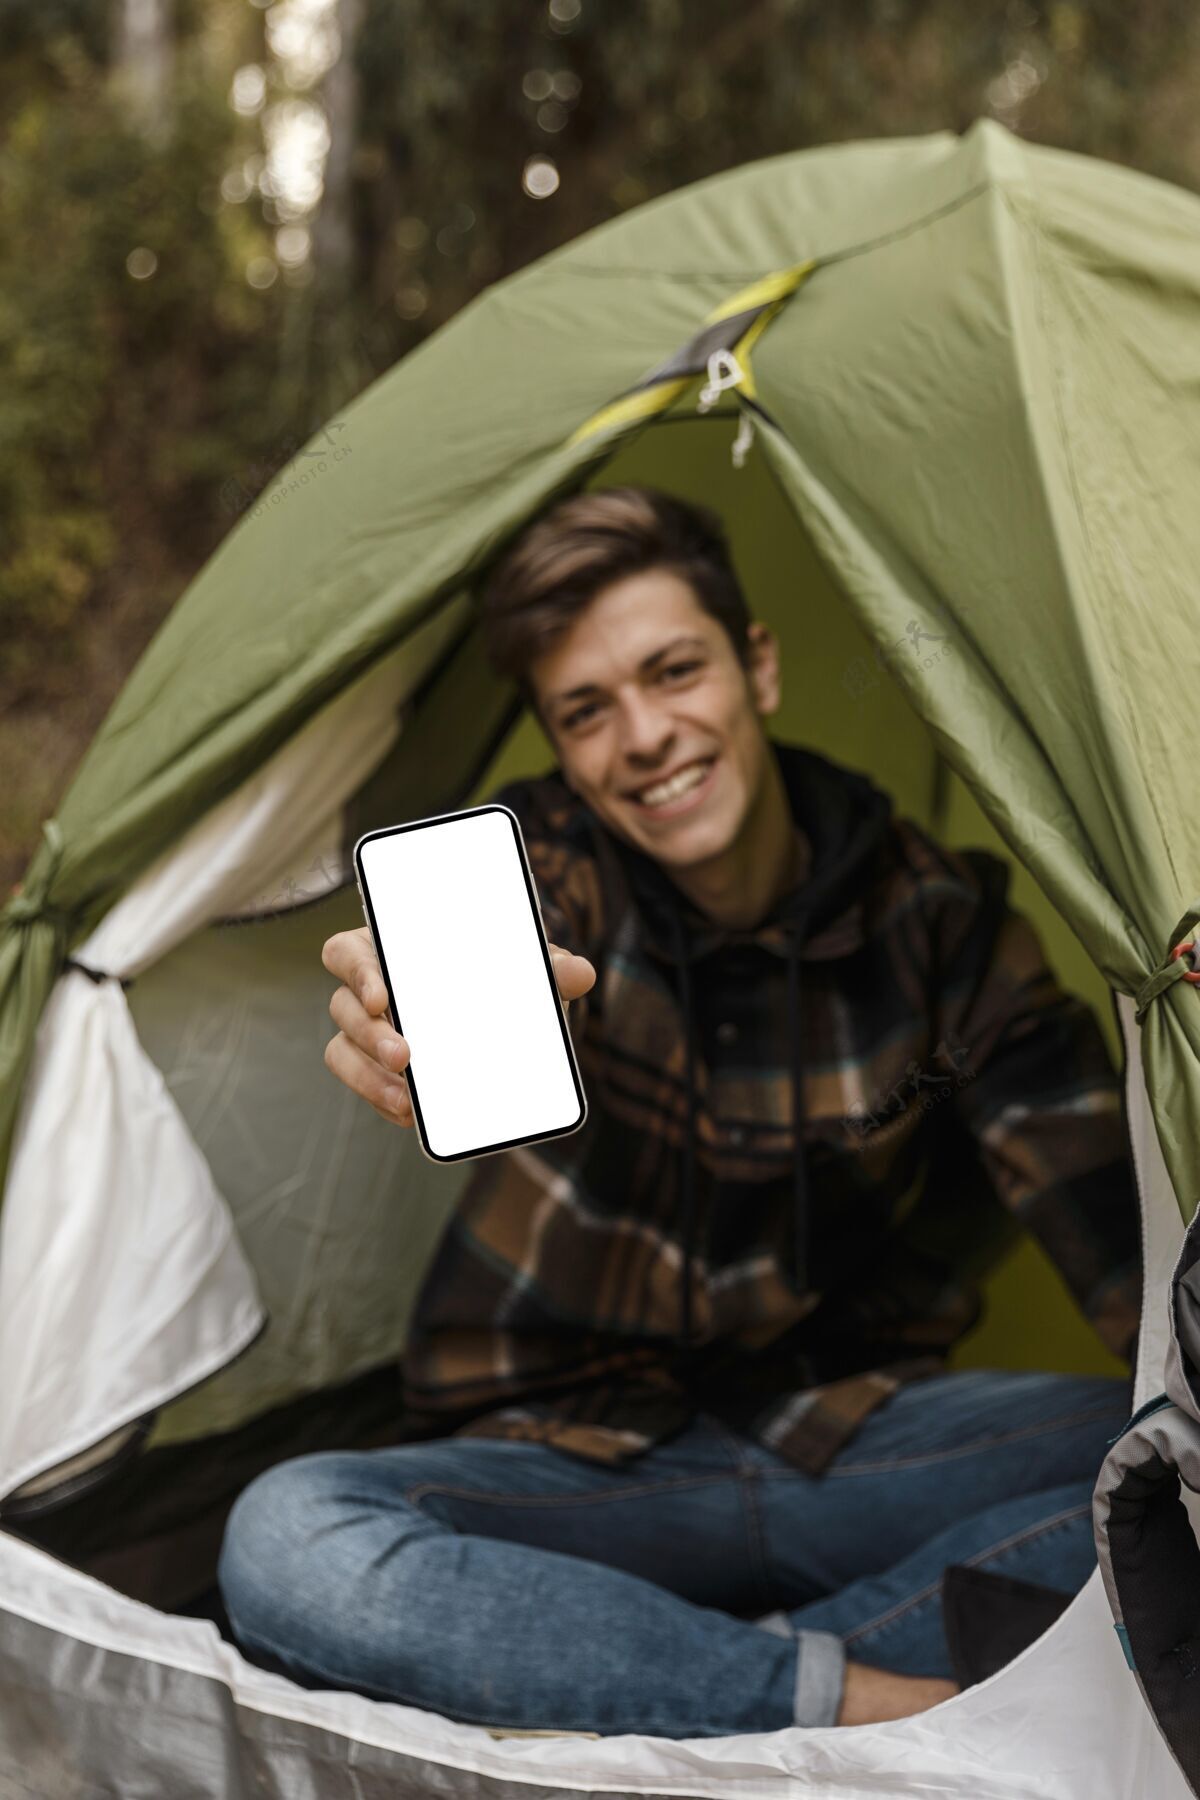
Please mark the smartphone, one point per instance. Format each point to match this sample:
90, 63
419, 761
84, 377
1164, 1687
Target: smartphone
458, 931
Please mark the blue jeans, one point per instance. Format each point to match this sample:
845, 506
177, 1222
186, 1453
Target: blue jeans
506, 1583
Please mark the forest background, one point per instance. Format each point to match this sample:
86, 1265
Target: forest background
220, 220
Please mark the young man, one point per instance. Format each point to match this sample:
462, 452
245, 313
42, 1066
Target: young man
683, 1456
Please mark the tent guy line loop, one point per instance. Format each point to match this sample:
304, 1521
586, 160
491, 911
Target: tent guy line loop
1181, 963
743, 442
724, 372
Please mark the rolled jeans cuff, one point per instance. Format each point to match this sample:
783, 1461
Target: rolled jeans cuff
820, 1677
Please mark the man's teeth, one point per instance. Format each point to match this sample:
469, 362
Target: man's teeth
679, 784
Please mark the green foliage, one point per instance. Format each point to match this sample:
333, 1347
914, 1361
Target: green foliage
55, 370
125, 402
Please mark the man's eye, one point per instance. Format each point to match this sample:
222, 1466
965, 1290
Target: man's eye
579, 717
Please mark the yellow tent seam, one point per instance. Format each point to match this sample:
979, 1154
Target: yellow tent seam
776, 286
631, 407
769, 294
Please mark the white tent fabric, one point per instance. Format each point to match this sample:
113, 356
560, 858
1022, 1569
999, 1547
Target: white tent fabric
1063, 1721
122, 1283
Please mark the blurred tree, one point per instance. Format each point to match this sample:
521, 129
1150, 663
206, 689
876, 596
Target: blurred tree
193, 281
334, 249
141, 63
135, 364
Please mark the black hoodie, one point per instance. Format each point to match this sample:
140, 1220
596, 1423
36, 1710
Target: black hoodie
843, 818
857, 1170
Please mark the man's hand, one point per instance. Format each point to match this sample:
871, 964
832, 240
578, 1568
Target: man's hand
366, 1053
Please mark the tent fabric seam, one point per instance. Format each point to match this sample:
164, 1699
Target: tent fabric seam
818, 259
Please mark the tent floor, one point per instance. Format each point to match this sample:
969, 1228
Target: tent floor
153, 1528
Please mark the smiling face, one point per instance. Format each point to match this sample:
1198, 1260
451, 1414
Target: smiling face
658, 727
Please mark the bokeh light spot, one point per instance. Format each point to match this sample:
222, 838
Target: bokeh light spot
538, 84
261, 271
248, 90
539, 178
292, 245
411, 300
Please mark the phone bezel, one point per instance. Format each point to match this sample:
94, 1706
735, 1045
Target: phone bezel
360, 875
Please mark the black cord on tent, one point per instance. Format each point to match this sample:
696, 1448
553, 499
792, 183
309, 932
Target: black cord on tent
97, 975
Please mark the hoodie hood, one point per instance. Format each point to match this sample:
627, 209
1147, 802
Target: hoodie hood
841, 818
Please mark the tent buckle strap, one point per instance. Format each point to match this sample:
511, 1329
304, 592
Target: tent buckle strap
724, 372
743, 441
1192, 973
1181, 963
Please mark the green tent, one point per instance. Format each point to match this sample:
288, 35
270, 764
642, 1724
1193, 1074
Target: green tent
946, 393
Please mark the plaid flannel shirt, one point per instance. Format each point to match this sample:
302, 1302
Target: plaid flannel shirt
894, 1018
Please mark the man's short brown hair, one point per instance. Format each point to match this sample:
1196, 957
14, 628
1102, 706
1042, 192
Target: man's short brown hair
561, 561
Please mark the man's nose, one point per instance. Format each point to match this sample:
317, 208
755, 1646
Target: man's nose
645, 730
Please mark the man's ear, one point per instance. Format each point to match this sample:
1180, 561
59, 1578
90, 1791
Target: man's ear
764, 675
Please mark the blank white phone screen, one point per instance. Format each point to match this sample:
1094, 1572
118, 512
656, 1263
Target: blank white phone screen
455, 926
